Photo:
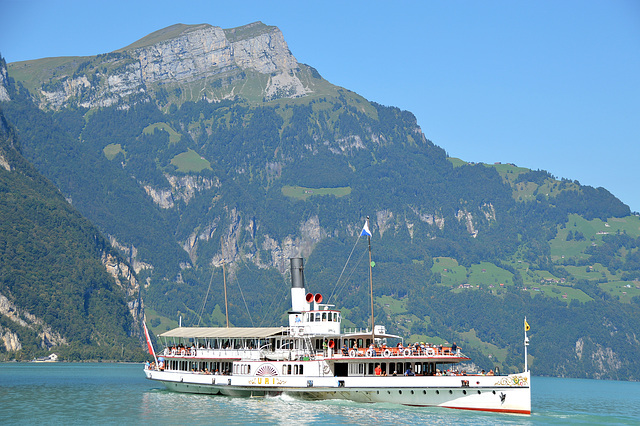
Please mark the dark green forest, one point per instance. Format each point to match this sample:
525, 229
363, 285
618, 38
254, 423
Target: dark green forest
50, 267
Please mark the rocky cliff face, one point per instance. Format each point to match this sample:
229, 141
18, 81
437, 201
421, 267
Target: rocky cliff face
177, 63
4, 94
23, 318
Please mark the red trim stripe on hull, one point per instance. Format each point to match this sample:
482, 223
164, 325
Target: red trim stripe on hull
493, 410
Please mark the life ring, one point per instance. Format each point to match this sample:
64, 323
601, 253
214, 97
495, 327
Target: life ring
352, 353
183, 352
430, 352
387, 353
369, 353
331, 344
193, 352
173, 351
406, 352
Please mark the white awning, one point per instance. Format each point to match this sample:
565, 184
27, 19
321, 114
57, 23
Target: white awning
223, 332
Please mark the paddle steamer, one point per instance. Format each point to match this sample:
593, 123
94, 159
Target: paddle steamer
313, 358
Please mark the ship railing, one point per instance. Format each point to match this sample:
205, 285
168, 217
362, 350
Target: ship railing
212, 353
399, 352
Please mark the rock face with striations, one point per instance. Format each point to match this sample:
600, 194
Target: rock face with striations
178, 63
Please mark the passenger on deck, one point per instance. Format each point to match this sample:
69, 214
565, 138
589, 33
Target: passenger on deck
409, 372
454, 348
490, 373
378, 370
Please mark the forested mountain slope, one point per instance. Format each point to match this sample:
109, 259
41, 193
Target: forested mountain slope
62, 287
268, 161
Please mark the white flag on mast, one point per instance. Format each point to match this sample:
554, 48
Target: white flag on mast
365, 230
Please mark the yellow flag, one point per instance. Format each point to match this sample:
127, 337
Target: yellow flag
526, 326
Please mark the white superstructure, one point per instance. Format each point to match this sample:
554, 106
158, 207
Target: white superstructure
312, 358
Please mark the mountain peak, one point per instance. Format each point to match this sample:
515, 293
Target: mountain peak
176, 64
164, 34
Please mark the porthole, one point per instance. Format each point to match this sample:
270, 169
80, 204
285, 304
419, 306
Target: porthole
479, 392
494, 392
389, 392
400, 392
464, 392
437, 392
378, 392
450, 391
424, 392
411, 392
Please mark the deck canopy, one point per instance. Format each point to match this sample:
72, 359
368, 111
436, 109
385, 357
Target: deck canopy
225, 333
367, 335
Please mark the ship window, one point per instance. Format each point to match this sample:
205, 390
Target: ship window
301, 365
284, 369
310, 317
295, 369
288, 369
324, 316
330, 317
317, 316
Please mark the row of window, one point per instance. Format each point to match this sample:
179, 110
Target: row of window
392, 368
211, 367
323, 316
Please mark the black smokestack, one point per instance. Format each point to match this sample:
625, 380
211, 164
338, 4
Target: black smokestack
297, 272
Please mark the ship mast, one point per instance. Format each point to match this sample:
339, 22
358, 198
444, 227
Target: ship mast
526, 343
224, 279
371, 282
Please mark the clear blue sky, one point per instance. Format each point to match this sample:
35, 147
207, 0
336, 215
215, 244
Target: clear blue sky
551, 85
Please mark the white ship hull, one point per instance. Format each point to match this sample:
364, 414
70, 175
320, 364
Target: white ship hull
508, 394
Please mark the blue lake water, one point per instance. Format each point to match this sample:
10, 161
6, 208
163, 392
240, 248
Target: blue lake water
102, 393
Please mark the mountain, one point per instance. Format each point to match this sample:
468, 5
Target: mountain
196, 146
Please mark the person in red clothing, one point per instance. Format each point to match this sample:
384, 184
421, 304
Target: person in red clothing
378, 370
